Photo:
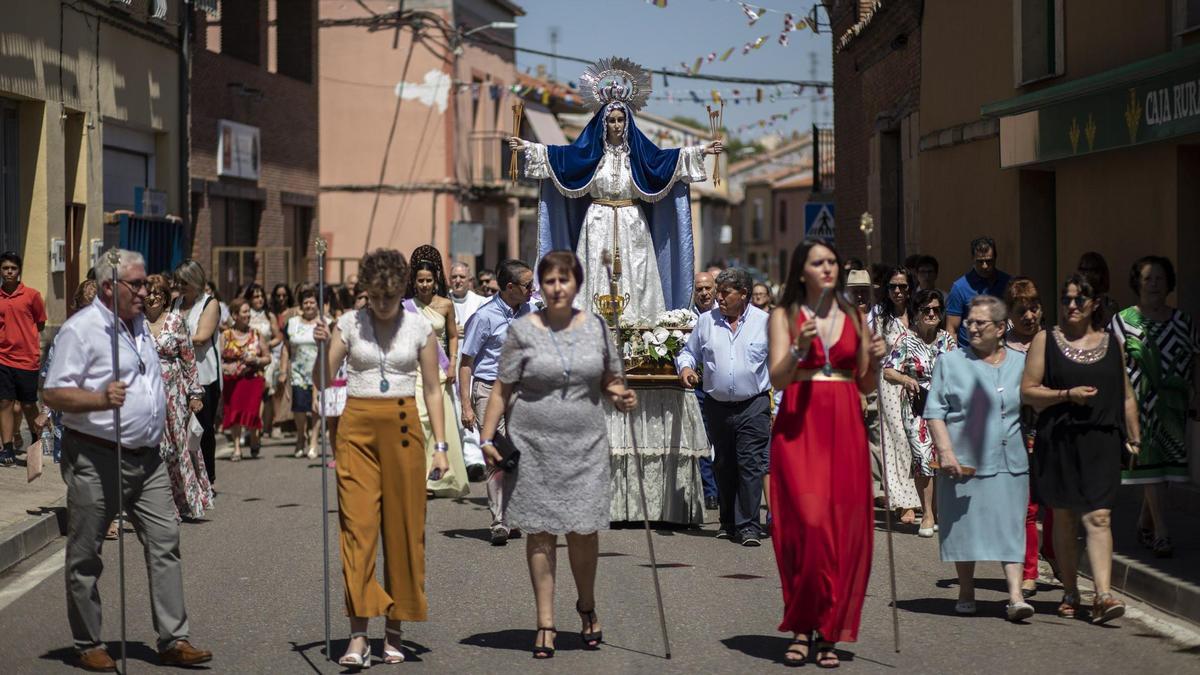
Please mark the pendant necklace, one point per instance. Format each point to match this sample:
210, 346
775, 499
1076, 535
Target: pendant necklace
384, 385
566, 361
826, 369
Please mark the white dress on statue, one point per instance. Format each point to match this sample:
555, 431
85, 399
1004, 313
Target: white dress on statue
639, 266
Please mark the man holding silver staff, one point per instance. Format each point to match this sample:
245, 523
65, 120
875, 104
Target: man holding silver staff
80, 382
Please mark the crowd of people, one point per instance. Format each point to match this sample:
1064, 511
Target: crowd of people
962, 411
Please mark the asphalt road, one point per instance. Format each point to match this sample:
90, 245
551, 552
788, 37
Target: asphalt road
253, 583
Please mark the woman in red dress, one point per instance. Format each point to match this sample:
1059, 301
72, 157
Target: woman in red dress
820, 465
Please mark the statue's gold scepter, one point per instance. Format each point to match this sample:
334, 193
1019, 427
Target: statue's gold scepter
518, 111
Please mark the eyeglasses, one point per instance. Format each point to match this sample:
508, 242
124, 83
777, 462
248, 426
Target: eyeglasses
897, 287
135, 286
527, 285
930, 309
978, 323
1075, 300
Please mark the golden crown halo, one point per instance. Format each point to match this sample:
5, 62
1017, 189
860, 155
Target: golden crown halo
615, 78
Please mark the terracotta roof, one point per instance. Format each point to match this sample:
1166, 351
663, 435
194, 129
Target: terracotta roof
782, 174
511, 6
799, 180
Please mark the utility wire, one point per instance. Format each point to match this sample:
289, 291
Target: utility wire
478, 37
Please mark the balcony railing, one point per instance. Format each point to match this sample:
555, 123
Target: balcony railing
489, 158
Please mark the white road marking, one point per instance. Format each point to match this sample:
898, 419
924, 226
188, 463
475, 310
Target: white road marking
27, 580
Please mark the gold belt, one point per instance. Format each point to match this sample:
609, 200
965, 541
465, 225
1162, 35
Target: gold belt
615, 203
818, 375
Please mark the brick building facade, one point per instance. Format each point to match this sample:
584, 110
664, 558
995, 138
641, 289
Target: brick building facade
877, 86
254, 87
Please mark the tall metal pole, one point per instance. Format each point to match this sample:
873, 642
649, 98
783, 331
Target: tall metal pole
323, 366
114, 261
612, 263
867, 226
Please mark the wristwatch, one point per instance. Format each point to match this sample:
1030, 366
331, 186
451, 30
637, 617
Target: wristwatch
441, 446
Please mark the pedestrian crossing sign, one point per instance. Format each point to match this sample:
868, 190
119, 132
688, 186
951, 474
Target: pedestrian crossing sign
818, 221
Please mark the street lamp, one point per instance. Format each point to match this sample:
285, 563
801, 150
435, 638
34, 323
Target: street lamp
497, 25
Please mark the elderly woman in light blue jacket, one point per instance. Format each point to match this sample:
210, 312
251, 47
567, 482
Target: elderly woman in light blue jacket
973, 412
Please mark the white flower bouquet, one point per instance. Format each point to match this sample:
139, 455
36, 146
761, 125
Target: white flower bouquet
657, 345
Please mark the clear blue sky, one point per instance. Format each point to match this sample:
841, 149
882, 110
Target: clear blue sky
685, 29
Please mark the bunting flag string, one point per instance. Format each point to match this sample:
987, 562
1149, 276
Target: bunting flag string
754, 13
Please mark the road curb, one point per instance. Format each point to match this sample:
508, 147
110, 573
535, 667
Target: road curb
1161, 591
18, 542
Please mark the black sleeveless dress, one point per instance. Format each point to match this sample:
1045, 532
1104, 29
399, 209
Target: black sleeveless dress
1077, 452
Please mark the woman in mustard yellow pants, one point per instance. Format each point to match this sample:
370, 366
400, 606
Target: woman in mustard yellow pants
381, 453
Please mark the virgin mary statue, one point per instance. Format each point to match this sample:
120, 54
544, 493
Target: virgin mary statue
613, 191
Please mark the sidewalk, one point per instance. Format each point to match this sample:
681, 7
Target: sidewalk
31, 514
1169, 584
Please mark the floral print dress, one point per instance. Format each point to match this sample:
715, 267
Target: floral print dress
902, 488
915, 358
185, 463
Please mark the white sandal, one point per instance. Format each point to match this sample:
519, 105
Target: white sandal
393, 655
358, 661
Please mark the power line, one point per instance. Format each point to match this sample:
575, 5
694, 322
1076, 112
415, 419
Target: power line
668, 73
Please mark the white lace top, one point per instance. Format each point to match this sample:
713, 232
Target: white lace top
367, 364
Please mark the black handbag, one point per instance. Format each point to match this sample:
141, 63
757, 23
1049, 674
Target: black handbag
917, 401
509, 453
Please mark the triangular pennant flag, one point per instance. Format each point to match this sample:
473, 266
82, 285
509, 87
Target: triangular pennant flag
727, 53
752, 13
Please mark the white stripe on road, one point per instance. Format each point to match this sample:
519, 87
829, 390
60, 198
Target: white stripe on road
27, 580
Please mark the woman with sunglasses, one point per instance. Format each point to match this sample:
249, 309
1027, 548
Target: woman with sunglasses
890, 319
910, 365
1075, 378
972, 413
185, 467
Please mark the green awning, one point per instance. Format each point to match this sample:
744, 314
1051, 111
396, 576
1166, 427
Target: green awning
1142, 102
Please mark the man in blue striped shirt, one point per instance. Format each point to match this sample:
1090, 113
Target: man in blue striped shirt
480, 359
731, 342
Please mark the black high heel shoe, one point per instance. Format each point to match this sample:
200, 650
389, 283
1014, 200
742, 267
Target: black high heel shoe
591, 640
542, 652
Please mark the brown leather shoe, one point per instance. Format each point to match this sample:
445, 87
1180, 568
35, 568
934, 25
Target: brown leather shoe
1106, 608
182, 653
97, 660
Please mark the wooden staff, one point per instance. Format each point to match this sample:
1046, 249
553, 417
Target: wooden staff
518, 111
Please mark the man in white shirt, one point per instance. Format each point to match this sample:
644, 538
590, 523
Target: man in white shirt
731, 343
466, 303
80, 384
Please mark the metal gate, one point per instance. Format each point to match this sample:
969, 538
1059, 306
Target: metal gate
233, 267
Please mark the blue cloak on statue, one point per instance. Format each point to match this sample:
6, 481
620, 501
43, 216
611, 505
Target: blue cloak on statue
563, 201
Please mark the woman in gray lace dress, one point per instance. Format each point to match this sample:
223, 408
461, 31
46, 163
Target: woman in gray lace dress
556, 367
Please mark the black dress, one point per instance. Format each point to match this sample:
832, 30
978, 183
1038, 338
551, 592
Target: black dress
1077, 452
